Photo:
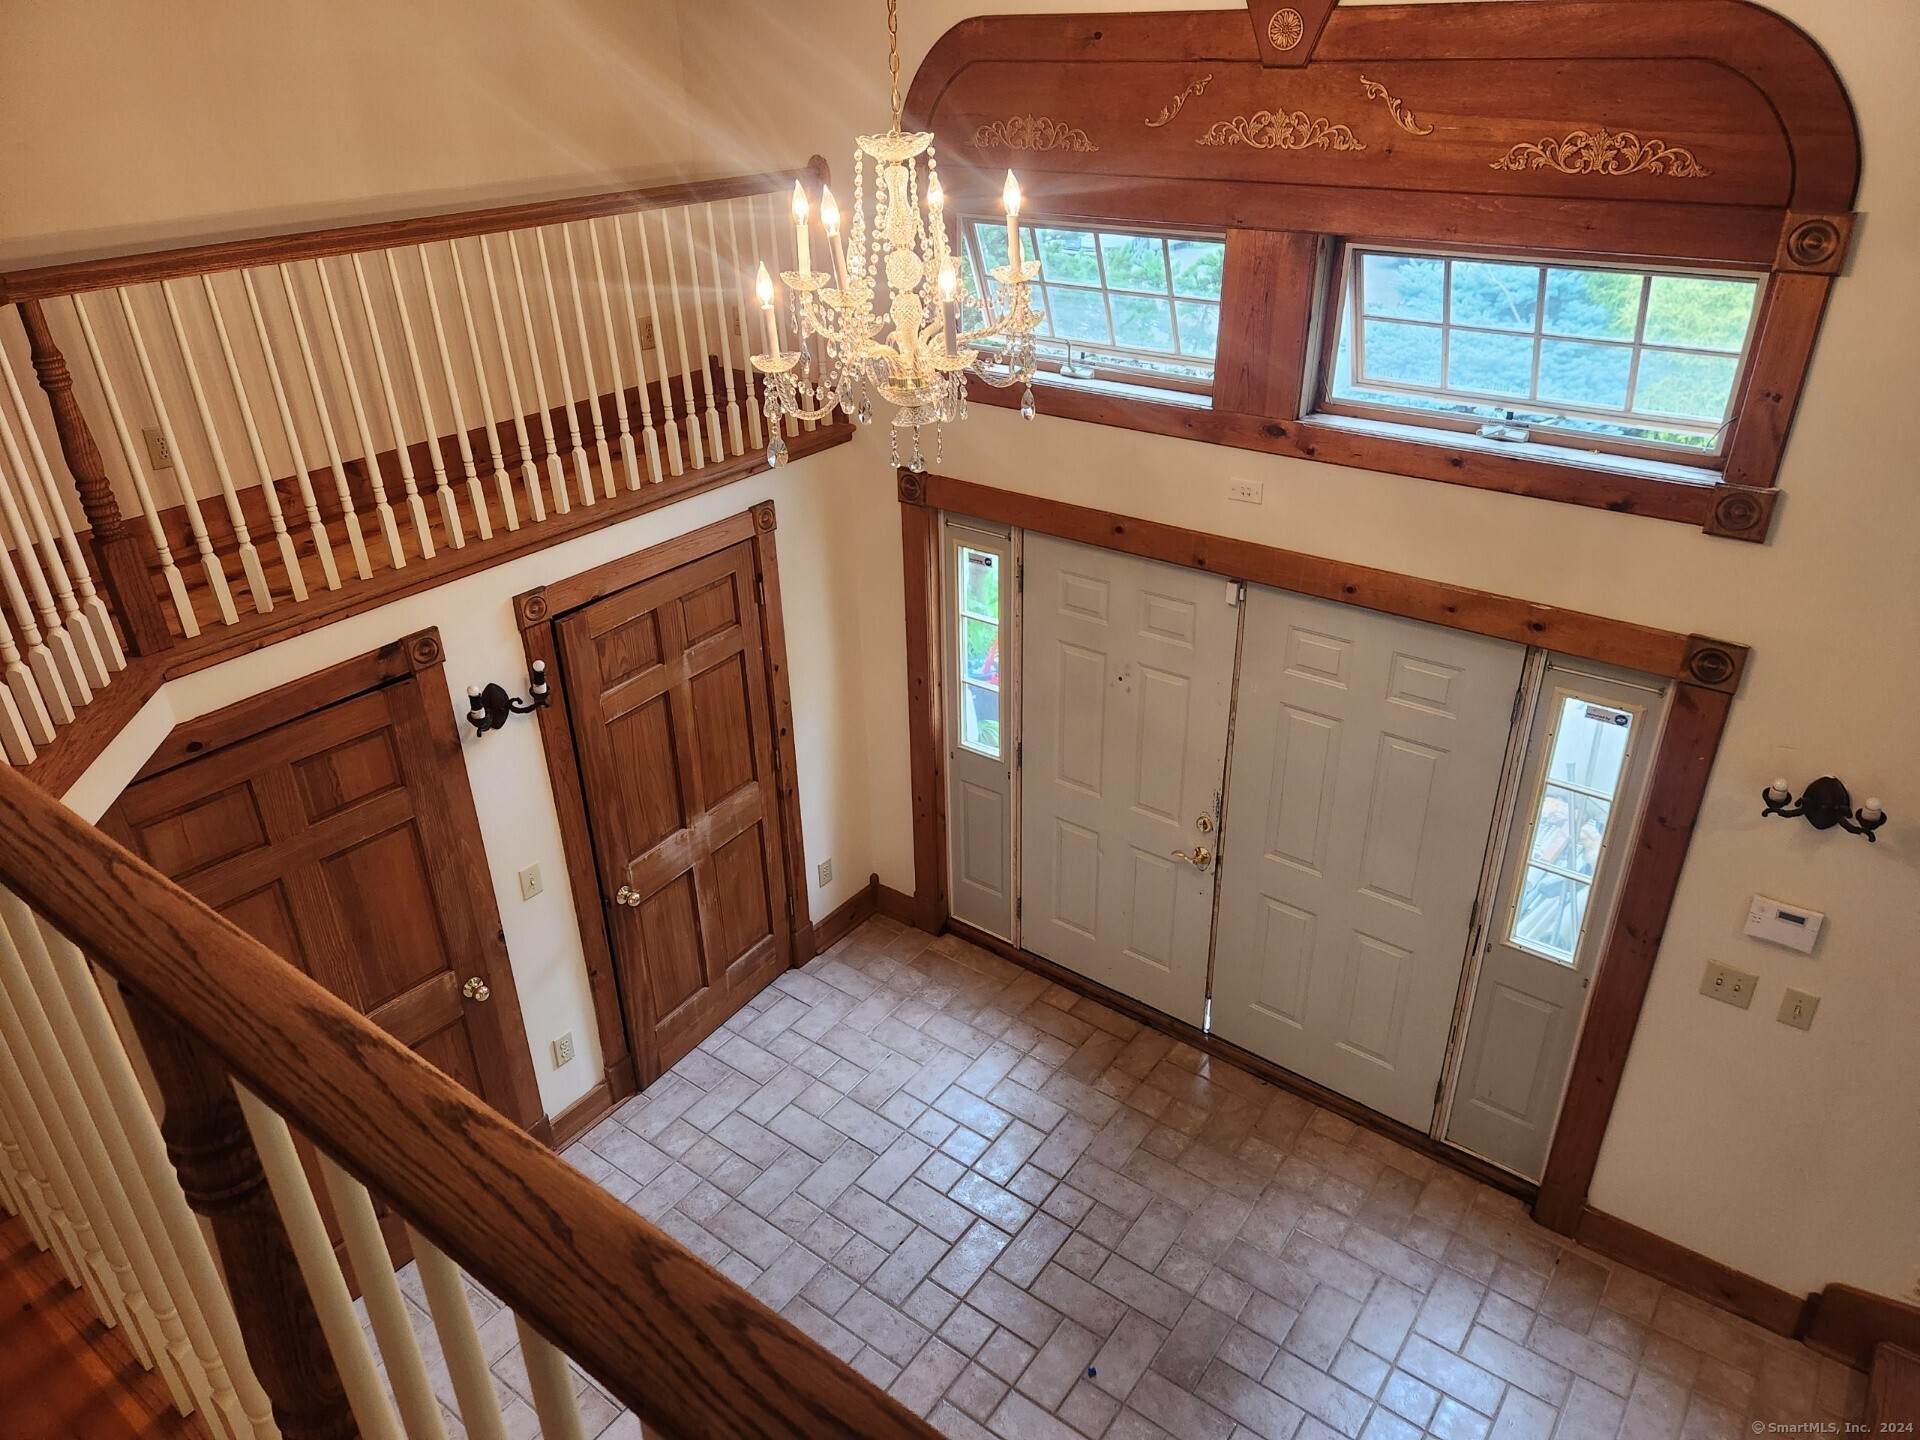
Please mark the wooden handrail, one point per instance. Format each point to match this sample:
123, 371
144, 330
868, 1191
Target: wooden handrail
81, 276
691, 1353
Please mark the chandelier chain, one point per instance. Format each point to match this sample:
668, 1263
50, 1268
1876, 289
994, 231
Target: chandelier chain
893, 56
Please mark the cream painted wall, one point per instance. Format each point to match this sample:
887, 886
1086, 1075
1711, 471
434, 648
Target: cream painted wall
129, 125
507, 770
1793, 1156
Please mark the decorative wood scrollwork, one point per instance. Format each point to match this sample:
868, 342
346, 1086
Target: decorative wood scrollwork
1282, 130
1402, 116
1601, 151
1032, 132
1285, 29
1174, 106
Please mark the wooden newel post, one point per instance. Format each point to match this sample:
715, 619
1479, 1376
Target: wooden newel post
119, 552
212, 1151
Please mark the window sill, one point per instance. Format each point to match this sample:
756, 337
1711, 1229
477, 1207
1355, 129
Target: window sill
1573, 477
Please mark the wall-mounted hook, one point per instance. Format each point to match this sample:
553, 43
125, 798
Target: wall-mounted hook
1824, 805
488, 709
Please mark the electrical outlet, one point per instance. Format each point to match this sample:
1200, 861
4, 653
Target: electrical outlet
826, 873
563, 1050
1797, 1008
159, 452
1250, 492
1728, 985
733, 319
530, 882
646, 333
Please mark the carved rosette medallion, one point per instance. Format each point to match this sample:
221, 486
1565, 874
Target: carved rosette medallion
533, 609
1032, 132
913, 488
1282, 130
764, 520
1601, 151
1713, 663
423, 650
1813, 243
1285, 29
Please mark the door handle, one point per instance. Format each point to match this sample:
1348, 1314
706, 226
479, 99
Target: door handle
1199, 858
477, 989
627, 896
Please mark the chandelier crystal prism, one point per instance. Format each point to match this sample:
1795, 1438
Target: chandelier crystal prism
888, 319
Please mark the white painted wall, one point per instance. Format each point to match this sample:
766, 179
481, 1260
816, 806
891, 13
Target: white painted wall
507, 770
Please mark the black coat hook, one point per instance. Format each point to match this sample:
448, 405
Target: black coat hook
488, 709
1824, 805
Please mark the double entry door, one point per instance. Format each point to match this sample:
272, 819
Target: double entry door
1338, 769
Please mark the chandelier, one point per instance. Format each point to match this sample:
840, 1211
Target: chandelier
889, 318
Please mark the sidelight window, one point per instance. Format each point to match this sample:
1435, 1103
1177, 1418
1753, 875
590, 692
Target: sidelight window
1573, 817
1120, 306
979, 616
1579, 354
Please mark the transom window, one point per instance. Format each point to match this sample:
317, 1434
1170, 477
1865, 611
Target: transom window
1573, 816
1141, 309
978, 576
1595, 356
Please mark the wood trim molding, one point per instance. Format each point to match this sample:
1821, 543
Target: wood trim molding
537, 612
1707, 672
1850, 1324
582, 1115
1765, 1305
848, 916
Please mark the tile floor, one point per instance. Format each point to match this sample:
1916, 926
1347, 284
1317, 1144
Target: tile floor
1030, 1218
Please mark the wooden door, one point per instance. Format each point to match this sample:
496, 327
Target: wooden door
1128, 684
345, 838
666, 686
1367, 759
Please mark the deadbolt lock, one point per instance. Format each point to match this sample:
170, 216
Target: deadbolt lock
1199, 857
627, 896
476, 989
1205, 822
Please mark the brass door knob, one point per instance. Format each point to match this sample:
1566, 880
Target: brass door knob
1199, 857
627, 896
476, 989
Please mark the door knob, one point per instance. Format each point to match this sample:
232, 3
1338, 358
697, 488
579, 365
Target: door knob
1199, 857
476, 989
627, 896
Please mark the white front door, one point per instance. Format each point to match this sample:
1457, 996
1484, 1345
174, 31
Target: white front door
1591, 744
1368, 752
1128, 683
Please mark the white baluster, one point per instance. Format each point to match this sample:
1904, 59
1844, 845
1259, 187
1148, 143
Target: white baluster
580, 465
289, 556
36, 1198
86, 613
436, 457
748, 301
327, 1287
716, 444
510, 512
23, 684
190, 501
722, 305
696, 443
552, 1385
629, 458
302, 471
556, 468
386, 1307
249, 552
211, 1325
459, 1342
675, 465
594, 413
16, 743
416, 507
529, 471
477, 497
169, 570
55, 662
648, 438
91, 1116
323, 407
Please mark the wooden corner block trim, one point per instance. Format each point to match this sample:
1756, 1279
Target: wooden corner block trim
913, 487
1743, 512
1814, 244
1714, 664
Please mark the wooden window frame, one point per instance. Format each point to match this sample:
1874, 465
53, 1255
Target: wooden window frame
627, 1065
1706, 672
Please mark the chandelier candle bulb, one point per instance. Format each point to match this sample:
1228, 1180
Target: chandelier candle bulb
802, 241
763, 288
949, 305
1010, 193
830, 222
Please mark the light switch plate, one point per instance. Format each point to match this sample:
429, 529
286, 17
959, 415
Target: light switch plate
1793, 926
530, 882
1797, 1008
1728, 985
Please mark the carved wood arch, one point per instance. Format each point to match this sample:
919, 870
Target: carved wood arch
1695, 131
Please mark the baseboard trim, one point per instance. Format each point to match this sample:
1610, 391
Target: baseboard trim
1850, 1324
1265, 1069
846, 917
1767, 1306
581, 1116
896, 904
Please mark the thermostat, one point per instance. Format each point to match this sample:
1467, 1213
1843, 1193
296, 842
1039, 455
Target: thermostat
1787, 925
